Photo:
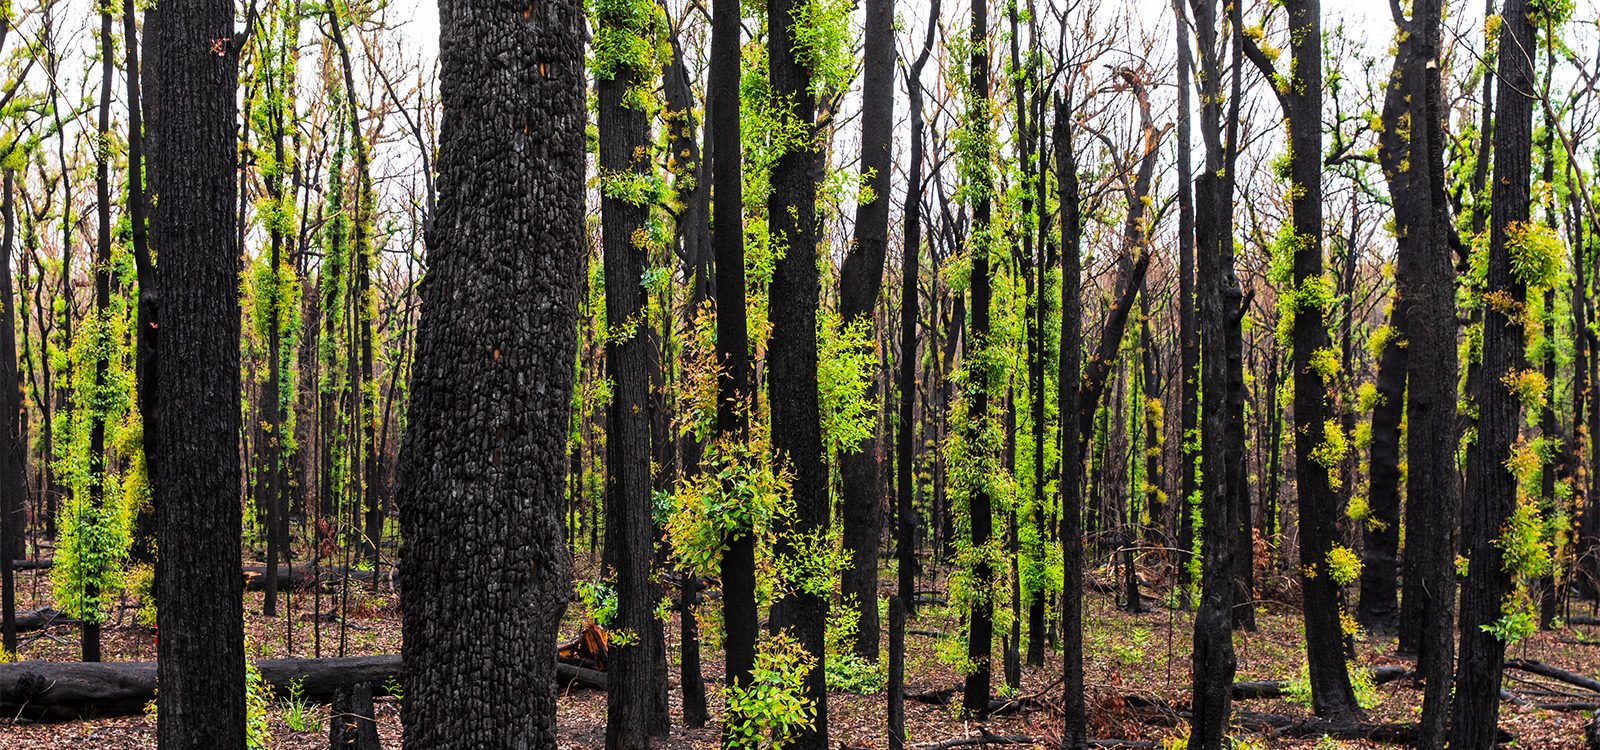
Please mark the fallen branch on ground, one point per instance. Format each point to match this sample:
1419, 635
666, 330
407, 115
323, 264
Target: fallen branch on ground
64, 691
1554, 673
1277, 688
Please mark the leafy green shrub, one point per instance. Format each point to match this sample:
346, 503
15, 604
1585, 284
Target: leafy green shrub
257, 699
772, 709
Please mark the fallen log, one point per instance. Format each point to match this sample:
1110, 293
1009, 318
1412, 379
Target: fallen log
42, 563
997, 706
1554, 673
984, 739
1289, 727
993, 739
304, 576
64, 691
1392, 734
1277, 688
1568, 706
40, 619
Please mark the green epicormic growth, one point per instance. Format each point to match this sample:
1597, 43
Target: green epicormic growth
106, 489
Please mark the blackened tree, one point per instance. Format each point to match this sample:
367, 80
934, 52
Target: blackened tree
1320, 442
1491, 488
192, 76
484, 451
792, 355
625, 160
860, 280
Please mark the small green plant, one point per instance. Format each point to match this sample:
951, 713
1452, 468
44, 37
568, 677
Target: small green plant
1298, 690
393, 688
599, 600
299, 712
845, 670
849, 673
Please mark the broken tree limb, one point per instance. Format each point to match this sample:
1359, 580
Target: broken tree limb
303, 576
1290, 727
1568, 706
997, 706
40, 619
1393, 734
982, 740
1554, 673
64, 691
999, 740
1277, 688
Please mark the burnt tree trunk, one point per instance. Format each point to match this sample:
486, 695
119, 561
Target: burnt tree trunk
1491, 489
1318, 435
1075, 731
484, 449
1212, 655
624, 151
980, 622
860, 280
1188, 336
738, 565
192, 115
911, 253
1378, 609
792, 354
694, 244
13, 464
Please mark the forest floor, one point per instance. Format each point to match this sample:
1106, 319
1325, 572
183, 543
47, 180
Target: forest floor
1129, 658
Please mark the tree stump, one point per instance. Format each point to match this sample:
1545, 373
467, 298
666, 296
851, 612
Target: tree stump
352, 724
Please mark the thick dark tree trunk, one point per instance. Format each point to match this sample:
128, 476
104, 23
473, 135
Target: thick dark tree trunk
145, 374
897, 666
1317, 433
1378, 609
905, 482
1491, 489
624, 150
1426, 327
193, 115
1075, 732
144, 370
980, 622
96, 484
740, 619
1217, 286
352, 724
694, 238
13, 446
1080, 398
484, 448
792, 354
860, 280
1188, 335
